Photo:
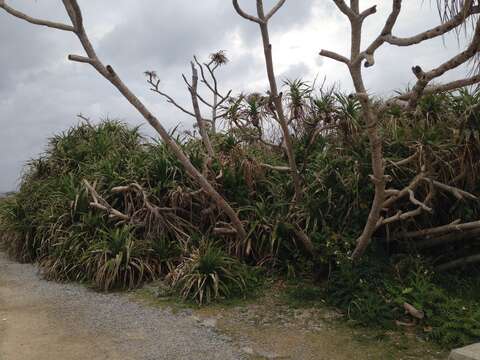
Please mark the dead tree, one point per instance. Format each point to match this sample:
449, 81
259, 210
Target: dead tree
366, 57
262, 19
208, 78
107, 71
217, 59
193, 89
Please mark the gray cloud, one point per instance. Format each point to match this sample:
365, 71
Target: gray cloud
296, 71
41, 93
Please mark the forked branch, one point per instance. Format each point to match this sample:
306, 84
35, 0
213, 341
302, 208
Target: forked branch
468, 9
243, 14
101, 204
426, 77
35, 21
276, 99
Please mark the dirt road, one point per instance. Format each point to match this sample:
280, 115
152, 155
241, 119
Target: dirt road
42, 320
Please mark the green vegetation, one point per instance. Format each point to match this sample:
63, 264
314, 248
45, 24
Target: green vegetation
374, 295
105, 206
208, 273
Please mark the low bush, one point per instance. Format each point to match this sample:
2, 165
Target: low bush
209, 274
373, 295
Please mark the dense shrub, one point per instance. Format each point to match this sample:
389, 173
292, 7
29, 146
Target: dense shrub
374, 293
51, 220
104, 205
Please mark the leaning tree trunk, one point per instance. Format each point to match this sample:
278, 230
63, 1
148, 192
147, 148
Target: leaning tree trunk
108, 73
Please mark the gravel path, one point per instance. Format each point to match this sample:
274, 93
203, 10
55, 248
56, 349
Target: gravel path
42, 320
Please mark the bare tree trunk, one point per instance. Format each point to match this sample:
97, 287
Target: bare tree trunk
262, 21
214, 113
196, 108
371, 120
277, 100
377, 162
354, 65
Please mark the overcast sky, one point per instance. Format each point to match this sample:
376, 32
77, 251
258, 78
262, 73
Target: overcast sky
41, 92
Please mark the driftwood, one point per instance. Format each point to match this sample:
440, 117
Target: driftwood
473, 259
135, 187
410, 309
305, 241
455, 226
99, 203
458, 193
449, 238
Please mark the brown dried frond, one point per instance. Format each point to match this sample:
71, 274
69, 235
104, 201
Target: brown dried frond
254, 97
151, 74
252, 172
449, 8
182, 198
219, 57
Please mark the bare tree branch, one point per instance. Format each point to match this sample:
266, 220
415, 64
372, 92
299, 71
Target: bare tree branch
335, 56
436, 89
402, 216
445, 239
370, 11
399, 216
454, 226
156, 88
34, 21
204, 80
198, 115
387, 30
404, 192
100, 203
218, 99
244, 14
420, 204
473, 259
371, 118
205, 102
275, 9
344, 8
383, 199
452, 63
276, 168
80, 59
466, 11
406, 160
458, 193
